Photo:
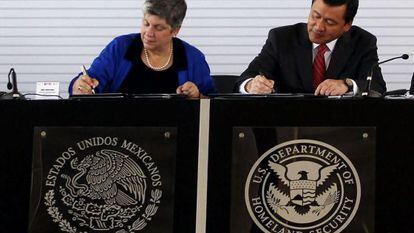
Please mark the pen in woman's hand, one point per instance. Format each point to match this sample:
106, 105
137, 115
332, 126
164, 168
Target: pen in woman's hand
86, 74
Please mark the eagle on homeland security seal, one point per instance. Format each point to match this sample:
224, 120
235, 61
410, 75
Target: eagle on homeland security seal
103, 184
304, 186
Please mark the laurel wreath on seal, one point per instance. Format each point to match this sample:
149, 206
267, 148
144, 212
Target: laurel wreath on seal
150, 211
56, 215
138, 224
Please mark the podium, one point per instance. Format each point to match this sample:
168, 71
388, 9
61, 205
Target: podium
386, 186
237, 135
25, 120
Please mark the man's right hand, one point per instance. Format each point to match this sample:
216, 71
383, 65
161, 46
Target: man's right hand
260, 85
84, 85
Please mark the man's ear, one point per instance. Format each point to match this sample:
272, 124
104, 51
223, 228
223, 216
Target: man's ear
347, 26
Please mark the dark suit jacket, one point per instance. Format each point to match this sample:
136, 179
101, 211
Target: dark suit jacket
287, 58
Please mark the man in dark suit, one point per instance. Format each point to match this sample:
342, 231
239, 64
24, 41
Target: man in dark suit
326, 56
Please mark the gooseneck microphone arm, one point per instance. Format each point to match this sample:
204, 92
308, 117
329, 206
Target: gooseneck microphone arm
14, 94
14, 82
11, 73
367, 88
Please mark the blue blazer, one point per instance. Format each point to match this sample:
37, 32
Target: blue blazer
111, 67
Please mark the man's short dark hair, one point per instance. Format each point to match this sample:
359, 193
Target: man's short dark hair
351, 7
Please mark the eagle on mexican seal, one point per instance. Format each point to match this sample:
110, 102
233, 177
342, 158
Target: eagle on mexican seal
112, 177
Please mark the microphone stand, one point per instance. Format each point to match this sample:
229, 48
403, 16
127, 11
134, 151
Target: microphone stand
367, 89
14, 94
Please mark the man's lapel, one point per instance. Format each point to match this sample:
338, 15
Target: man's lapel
342, 51
303, 53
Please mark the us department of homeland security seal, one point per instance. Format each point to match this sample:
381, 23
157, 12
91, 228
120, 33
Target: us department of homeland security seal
302, 186
103, 184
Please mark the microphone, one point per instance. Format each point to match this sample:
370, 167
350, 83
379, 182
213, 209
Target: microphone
9, 84
14, 94
367, 88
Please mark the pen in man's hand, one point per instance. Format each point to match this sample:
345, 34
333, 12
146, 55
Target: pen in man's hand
85, 73
261, 74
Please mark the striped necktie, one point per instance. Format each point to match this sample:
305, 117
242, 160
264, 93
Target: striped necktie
319, 68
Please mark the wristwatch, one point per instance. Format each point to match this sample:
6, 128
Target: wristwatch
349, 84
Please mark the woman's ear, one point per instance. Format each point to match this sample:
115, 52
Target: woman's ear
176, 31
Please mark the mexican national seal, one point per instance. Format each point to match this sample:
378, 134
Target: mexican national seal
103, 184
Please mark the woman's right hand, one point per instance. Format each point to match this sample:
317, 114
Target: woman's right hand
84, 85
